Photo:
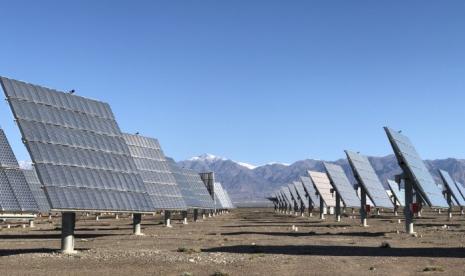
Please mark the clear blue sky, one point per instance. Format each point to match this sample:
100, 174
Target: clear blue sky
254, 81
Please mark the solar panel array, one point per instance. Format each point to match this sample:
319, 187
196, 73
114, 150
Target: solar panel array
301, 192
410, 160
199, 187
15, 194
78, 150
155, 172
37, 190
310, 189
192, 188
367, 177
323, 186
452, 187
398, 193
342, 185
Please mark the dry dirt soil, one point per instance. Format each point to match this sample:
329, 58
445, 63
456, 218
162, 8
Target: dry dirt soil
244, 242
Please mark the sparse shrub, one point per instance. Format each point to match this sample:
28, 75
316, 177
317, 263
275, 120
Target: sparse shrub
433, 269
219, 273
385, 245
188, 250
186, 274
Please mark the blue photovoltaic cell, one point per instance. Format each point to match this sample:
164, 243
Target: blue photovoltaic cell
79, 154
323, 186
452, 188
398, 193
37, 190
413, 165
301, 193
155, 171
308, 186
366, 175
342, 185
15, 194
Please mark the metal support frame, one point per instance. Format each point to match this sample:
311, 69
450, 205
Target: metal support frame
338, 207
196, 215
168, 219
184, 217
449, 201
322, 208
136, 224
363, 207
68, 224
409, 216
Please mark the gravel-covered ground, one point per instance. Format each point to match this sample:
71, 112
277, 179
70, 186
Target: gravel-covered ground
244, 242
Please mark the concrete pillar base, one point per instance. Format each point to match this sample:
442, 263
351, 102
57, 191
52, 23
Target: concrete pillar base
31, 224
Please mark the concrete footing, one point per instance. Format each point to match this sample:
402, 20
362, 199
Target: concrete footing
31, 223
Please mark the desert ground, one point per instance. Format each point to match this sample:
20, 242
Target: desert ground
243, 242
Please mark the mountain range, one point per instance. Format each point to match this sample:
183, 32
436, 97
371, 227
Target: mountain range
249, 184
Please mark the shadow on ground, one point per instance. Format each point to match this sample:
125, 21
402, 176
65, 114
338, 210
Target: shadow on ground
307, 234
323, 250
12, 252
51, 236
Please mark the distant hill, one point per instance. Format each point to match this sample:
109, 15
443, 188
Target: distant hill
248, 183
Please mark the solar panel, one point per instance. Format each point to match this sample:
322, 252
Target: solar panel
220, 194
37, 190
461, 188
156, 174
301, 193
199, 188
414, 166
195, 193
323, 186
398, 193
452, 188
342, 185
310, 189
218, 201
228, 199
287, 195
293, 193
367, 177
78, 150
15, 194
